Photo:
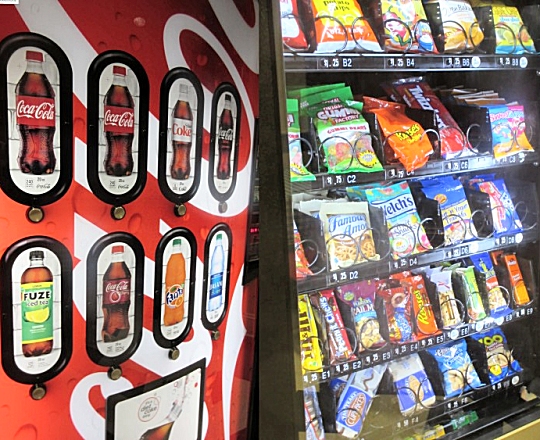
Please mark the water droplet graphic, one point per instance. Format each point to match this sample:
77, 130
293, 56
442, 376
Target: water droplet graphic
102, 46
134, 223
135, 42
26, 432
139, 21
51, 227
202, 60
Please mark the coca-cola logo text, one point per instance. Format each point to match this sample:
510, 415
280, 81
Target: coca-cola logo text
226, 135
37, 110
120, 287
125, 119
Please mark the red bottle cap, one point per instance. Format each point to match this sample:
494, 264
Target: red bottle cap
32, 55
119, 70
117, 249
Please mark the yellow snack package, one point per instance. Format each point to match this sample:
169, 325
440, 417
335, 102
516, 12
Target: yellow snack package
310, 348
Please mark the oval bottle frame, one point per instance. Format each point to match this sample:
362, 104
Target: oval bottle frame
160, 339
221, 227
66, 270
7, 48
166, 85
91, 297
220, 90
100, 63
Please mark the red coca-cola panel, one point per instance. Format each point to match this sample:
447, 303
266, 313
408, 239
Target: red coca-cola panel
35, 111
119, 119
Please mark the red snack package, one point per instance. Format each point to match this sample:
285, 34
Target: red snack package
291, 27
338, 341
302, 265
397, 304
423, 311
418, 94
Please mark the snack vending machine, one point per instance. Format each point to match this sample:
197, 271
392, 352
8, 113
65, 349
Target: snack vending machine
127, 132
403, 150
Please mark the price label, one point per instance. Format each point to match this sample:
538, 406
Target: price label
529, 311
400, 63
414, 347
336, 63
458, 62
439, 339
356, 365
508, 62
386, 356
325, 375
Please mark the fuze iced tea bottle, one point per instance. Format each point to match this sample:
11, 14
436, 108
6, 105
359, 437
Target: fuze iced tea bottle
116, 297
181, 136
175, 279
37, 307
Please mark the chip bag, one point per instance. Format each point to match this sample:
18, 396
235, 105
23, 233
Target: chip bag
456, 368
347, 30
398, 310
406, 27
292, 32
299, 173
302, 265
508, 131
510, 35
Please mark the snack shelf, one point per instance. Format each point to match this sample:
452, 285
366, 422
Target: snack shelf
391, 352
396, 172
385, 267
445, 408
343, 62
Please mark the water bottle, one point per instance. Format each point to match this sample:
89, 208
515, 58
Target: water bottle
217, 269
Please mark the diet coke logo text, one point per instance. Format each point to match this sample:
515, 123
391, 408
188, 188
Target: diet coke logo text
119, 119
36, 111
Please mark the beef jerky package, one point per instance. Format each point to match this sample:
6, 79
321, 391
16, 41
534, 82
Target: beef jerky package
498, 357
356, 399
340, 349
417, 93
412, 385
340, 27
360, 300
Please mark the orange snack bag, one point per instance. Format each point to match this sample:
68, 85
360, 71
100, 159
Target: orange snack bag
347, 30
406, 137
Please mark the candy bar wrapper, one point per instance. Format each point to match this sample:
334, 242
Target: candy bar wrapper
405, 230
310, 348
302, 265
517, 284
450, 311
312, 415
456, 368
397, 303
497, 302
331, 35
500, 361
466, 281
418, 94
356, 399
508, 130
299, 173
361, 298
455, 210
414, 390
348, 235
338, 341
423, 311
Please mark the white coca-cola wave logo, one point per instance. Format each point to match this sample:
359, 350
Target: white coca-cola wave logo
44, 111
125, 119
226, 135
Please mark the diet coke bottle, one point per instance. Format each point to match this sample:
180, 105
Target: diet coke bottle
225, 140
116, 297
35, 117
119, 118
181, 136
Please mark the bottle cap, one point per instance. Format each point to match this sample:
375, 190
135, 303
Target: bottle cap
218, 236
177, 242
32, 55
227, 97
119, 70
117, 249
36, 255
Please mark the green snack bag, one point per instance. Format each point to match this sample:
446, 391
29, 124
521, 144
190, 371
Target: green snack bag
343, 132
299, 173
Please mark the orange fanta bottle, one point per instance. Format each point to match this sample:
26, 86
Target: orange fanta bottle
175, 279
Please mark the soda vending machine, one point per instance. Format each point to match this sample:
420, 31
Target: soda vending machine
127, 136
400, 259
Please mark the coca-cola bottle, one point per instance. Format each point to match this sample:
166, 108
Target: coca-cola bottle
119, 125
35, 109
181, 136
225, 140
116, 297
